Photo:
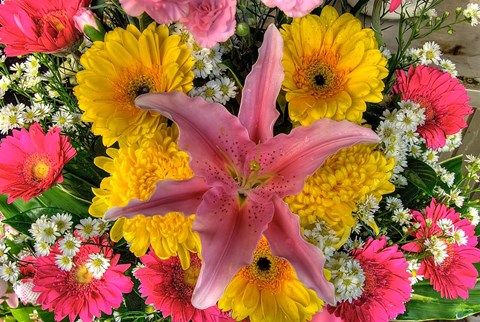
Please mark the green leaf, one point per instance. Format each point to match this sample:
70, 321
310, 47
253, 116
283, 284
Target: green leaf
59, 198
454, 165
23, 221
22, 314
426, 304
421, 175
16, 207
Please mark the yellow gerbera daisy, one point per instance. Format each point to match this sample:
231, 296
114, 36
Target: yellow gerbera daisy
134, 170
126, 64
345, 179
269, 290
332, 67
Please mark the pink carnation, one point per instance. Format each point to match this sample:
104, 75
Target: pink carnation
30, 26
294, 8
169, 288
211, 21
31, 161
162, 11
76, 292
386, 287
442, 96
454, 274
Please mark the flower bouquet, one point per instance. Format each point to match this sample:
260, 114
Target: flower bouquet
201, 160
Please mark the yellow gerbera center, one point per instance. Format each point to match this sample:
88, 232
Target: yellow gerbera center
142, 84
82, 275
268, 290
36, 167
190, 276
345, 179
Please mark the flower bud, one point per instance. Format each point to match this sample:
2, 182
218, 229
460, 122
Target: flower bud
88, 23
243, 29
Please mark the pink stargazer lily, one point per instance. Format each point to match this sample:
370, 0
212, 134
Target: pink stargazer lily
242, 172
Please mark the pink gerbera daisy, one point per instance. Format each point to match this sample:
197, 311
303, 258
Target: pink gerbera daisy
32, 161
169, 288
449, 243
30, 26
442, 96
78, 292
386, 287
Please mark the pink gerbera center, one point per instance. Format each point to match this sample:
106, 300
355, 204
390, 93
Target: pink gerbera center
37, 167
82, 275
53, 21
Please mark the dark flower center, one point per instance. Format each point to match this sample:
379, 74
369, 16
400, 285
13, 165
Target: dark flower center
319, 80
263, 264
142, 90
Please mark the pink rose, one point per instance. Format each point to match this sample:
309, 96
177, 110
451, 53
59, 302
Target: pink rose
162, 11
294, 8
211, 21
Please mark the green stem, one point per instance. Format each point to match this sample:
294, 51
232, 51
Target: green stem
376, 21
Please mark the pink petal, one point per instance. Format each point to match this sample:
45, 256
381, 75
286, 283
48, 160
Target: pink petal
299, 154
285, 239
229, 233
169, 195
208, 132
394, 5
258, 108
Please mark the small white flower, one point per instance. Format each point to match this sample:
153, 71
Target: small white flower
402, 216
202, 66
42, 248
430, 53
413, 267
97, 264
431, 13
63, 221
458, 236
64, 262
48, 232
392, 203
211, 91
228, 89
448, 66
4, 249
9, 272
69, 245
348, 277
323, 237
438, 249
88, 227
472, 13
63, 120
472, 215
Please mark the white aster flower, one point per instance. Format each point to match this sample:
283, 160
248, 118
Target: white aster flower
430, 53
457, 236
87, 228
431, 13
64, 262
202, 67
4, 249
472, 215
323, 237
63, 221
445, 225
69, 245
9, 272
48, 232
472, 13
42, 248
63, 120
211, 91
448, 66
393, 203
97, 264
402, 216
347, 277
228, 89
438, 249
413, 267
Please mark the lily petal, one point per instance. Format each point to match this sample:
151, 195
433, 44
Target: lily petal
258, 108
285, 239
229, 233
169, 195
299, 154
208, 132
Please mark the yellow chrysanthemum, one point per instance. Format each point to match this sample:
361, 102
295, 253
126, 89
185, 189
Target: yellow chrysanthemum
126, 64
346, 178
332, 67
269, 290
134, 170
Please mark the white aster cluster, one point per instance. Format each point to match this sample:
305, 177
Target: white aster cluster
347, 277
57, 230
211, 81
413, 267
430, 54
323, 237
398, 132
472, 13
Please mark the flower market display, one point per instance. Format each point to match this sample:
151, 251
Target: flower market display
234, 160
